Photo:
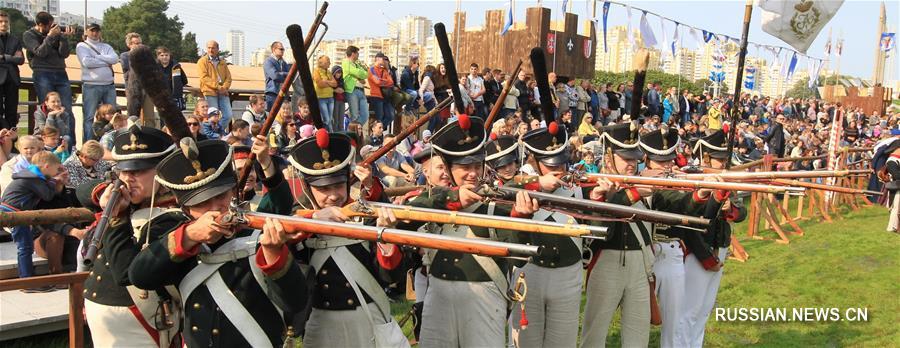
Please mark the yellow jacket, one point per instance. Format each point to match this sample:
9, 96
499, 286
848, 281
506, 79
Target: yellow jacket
714, 117
213, 76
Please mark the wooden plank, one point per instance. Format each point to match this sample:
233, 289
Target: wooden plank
76, 317
39, 281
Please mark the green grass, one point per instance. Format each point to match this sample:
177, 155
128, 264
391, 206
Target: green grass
849, 263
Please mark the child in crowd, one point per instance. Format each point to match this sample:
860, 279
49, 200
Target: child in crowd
41, 181
52, 113
210, 127
102, 120
28, 145
118, 122
53, 143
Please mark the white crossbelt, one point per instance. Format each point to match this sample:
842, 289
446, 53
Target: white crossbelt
487, 264
543, 214
206, 273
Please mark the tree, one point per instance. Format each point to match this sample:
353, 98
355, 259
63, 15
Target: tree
18, 24
801, 90
147, 18
190, 50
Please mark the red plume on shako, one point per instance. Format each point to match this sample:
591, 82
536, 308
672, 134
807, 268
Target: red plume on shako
493, 136
553, 128
465, 124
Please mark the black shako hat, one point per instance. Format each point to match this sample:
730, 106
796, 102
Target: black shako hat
424, 155
324, 159
660, 145
622, 139
198, 172
501, 151
715, 145
139, 148
461, 141
548, 144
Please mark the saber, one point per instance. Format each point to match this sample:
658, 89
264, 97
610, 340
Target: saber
293, 224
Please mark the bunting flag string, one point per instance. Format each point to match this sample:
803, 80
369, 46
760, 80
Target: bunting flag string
649, 37
647, 32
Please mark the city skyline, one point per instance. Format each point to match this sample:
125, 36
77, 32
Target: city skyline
856, 20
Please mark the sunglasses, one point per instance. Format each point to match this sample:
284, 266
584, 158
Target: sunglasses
191, 124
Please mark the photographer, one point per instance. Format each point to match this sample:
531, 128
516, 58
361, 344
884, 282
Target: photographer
47, 46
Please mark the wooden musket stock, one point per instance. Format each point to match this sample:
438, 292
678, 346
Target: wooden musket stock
294, 224
299, 54
573, 229
381, 151
499, 103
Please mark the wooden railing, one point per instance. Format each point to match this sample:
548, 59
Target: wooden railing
76, 298
31, 100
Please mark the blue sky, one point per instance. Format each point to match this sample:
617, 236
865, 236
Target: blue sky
264, 21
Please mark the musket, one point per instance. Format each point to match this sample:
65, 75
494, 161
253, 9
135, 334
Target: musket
45, 217
405, 212
294, 35
690, 184
399, 191
294, 224
406, 132
755, 163
547, 200
728, 176
838, 189
499, 103
102, 223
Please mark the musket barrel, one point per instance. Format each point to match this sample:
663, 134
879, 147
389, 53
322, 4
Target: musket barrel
572, 229
694, 184
777, 175
293, 224
609, 209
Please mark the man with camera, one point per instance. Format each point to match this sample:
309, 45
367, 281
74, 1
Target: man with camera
47, 46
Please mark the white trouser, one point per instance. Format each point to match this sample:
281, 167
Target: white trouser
702, 285
894, 219
610, 285
344, 328
115, 326
669, 270
551, 306
420, 284
462, 314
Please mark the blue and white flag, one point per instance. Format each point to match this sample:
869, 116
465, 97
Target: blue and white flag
605, 16
564, 5
707, 36
792, 66
674, 40
647, 32
814, 66
887, 41
509, 19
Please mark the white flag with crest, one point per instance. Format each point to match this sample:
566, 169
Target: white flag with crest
797, 22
